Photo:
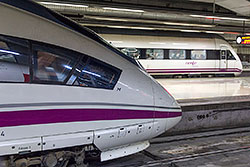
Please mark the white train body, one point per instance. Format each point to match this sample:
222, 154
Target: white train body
179, 55
62, 86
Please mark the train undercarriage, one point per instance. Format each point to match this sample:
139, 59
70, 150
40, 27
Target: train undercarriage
72, 157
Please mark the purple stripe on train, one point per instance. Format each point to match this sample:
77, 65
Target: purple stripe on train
33, 117
193, 70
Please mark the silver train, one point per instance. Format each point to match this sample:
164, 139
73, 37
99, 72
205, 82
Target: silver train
183, 54
67, 95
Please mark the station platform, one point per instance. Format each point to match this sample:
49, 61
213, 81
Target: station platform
210, 103
193, 88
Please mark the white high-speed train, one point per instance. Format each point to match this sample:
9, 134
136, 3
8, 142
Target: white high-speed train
66, 94
181, 54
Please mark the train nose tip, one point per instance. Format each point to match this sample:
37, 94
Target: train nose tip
164, 100
172, 121
175, 114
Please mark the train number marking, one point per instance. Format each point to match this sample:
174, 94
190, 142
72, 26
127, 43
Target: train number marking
118, 89
2, 133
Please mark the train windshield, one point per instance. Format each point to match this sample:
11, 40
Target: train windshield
230, 56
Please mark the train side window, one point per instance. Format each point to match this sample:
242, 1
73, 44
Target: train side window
5, 53
198, 55
52, 64
94, 73
132, 52
230, 56
14, 59
142, 54
177, 54
155, 54
74, 79
166, 54
188, 54
213, 55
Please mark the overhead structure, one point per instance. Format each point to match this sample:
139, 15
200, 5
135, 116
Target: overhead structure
227, 18
241, 7
187, 16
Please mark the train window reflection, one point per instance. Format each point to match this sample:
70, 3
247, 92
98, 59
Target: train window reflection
155, 54
96, 74
14, 58
14, 50
198, 55
177, 54
52, 64
91, 72
5, 54
132, 52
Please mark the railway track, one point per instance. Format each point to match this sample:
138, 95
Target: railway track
171, 162
154, 159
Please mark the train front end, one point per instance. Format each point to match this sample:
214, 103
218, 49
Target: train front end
104, 102
166, 105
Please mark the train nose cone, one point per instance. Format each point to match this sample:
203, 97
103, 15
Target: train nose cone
166, 106
163, 98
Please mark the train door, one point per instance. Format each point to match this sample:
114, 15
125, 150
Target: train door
223, 58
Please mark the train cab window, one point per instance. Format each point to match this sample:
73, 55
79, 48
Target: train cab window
52, 64
155, 54
177, 54
230, 56
132, 52
14, 59
198, 55
91, 72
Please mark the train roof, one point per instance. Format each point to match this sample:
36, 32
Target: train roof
157, 33
39, 10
